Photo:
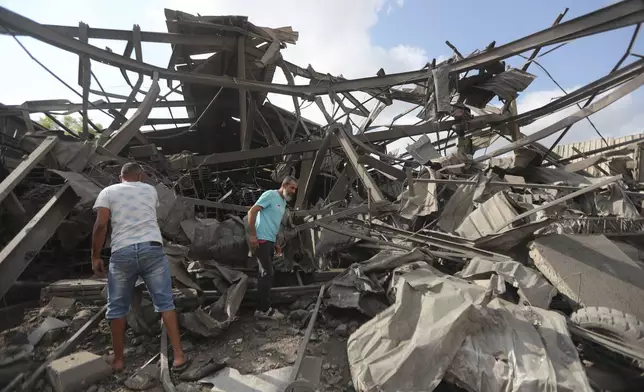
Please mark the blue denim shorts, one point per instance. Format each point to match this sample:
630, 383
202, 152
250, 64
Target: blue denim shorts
126, 265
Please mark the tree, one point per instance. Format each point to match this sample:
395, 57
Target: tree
72, 123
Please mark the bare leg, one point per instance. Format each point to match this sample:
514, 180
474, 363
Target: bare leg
170, 322
118, 343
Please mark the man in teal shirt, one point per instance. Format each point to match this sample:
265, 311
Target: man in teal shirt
264, 220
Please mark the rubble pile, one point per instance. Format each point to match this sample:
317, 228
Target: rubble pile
456, 265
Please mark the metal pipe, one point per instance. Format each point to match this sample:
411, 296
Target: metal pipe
514, 185
307, 336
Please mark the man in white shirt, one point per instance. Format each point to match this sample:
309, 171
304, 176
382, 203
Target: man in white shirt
137, 250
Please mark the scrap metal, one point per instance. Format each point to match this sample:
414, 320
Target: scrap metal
441, 231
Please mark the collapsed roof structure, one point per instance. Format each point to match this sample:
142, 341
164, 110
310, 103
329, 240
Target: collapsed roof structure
409, 221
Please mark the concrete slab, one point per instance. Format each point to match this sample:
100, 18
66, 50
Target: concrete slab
49, 324
59, 307
591, 270
229, 379
77, 371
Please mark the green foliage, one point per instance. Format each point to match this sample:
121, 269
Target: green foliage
74, 124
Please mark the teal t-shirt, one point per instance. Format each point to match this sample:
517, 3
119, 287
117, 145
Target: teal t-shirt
267, 224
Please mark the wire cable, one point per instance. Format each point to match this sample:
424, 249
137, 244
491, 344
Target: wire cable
52, 73
565, 92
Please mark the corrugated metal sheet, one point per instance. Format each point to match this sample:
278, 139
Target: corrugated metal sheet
488, 218
508, 83
567, 150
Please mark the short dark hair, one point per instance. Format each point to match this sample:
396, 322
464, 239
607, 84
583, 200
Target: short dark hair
288, 180
131, 168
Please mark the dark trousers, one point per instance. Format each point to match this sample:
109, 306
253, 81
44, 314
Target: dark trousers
264, 254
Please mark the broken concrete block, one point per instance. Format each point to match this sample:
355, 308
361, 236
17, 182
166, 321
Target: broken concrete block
185, 387
81, 318
77, 371
51, 337
342, 330
298, 316
48, 325
59, 307
144, 379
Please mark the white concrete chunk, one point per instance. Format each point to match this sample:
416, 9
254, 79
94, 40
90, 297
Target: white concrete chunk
77, 371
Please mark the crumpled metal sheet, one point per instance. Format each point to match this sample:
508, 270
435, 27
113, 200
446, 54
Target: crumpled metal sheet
440, 327
177, 256
510, 238
353, 289
212, 320
584, 164
423, 202
422, 150
331, 241
441, 89
531, 284
358, 287
507, 84
519, 349
547, 175
223, 241
616, 203
439, 94
488, 218
172, 210
464, 199
457, 207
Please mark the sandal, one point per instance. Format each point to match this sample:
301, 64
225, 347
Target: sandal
184, 365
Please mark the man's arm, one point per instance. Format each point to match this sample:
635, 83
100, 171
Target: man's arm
252, 218
102, 208
98, 238
264, 201
280, 235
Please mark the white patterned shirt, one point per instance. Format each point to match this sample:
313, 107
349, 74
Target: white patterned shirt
133, 215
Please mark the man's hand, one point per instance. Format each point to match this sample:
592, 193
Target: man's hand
278, 250
98, 267
254, 243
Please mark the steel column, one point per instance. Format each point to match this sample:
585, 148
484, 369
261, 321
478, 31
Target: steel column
16, 256
363, 175
21, 171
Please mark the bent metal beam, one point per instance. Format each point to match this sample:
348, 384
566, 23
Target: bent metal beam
613, 17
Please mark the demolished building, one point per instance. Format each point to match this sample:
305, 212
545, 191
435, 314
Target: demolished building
443, 249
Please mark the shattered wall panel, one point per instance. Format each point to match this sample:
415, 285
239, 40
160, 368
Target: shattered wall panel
591, 271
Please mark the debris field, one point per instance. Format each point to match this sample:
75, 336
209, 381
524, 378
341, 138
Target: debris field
479, 259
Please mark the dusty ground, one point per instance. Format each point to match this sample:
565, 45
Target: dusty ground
249, 345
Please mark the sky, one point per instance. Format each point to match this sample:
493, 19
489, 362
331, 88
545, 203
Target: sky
353, 38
